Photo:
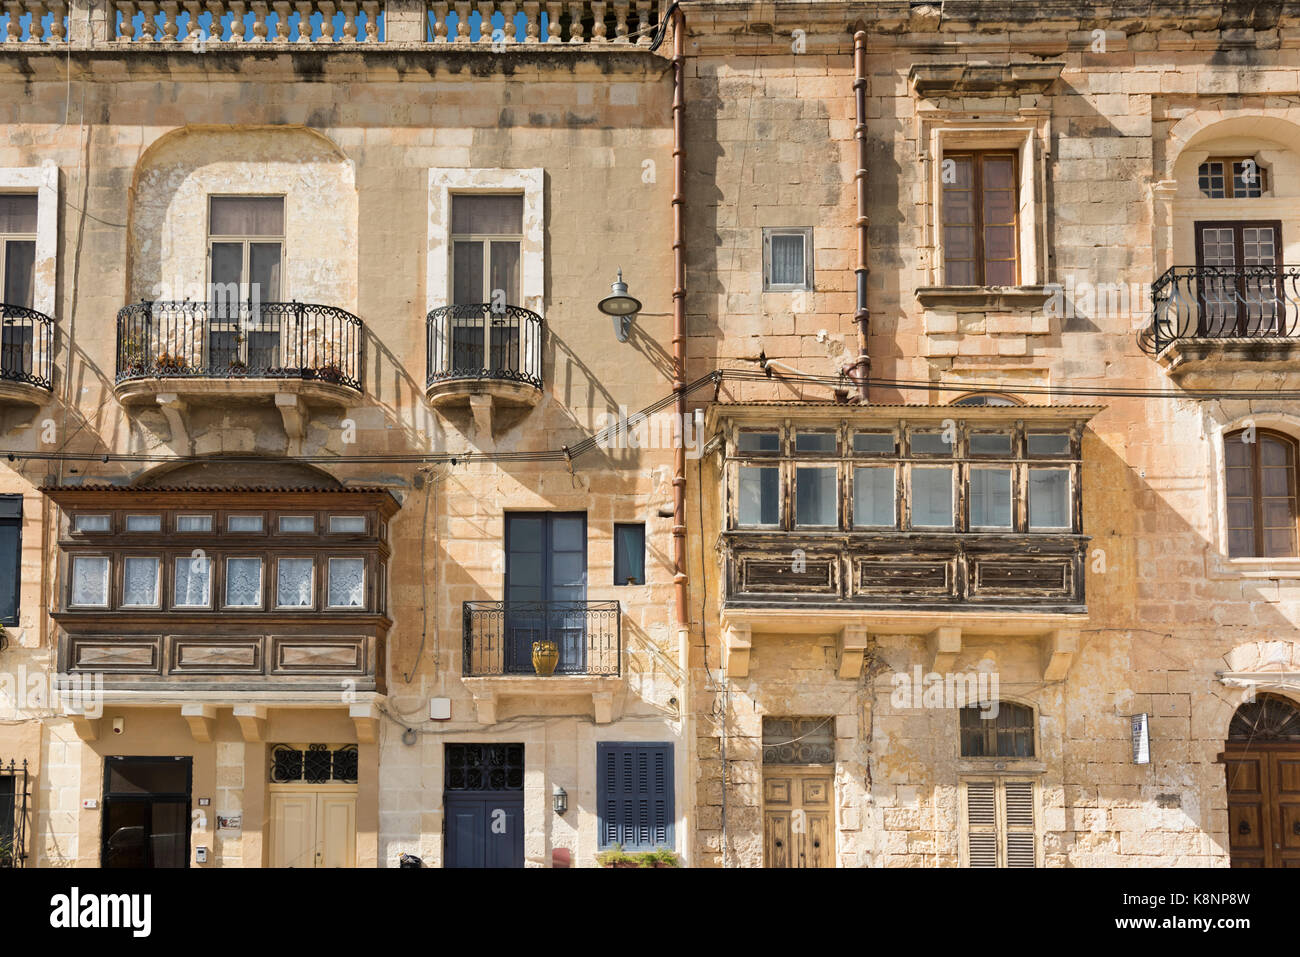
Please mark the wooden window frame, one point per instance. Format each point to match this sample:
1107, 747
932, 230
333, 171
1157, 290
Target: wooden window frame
1257, 491
248, 240
225, 579
215, 586
366, 579
989, 731
806, 234
1000, 827
118, 575
1229, 176
108, 580
977, 156
315, 605
485, 240
14, 503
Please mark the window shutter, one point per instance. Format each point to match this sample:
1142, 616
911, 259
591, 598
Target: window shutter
11, 518
635, 795
1020, 834
981, 824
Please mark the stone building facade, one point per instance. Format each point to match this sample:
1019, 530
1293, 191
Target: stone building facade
321, 448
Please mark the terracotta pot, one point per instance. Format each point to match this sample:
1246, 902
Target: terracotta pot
546, 655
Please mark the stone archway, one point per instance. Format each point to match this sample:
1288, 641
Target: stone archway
1262, 764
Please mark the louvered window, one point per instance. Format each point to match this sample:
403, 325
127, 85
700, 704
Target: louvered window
635, 795
1001, 823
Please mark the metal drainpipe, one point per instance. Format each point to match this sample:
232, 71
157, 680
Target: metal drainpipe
862, 368
679, 314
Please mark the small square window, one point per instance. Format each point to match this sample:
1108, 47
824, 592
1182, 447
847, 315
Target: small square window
347, 524
244, 523
193, 523
90, 581
629, 554
990, 443
294, 582
758, 442
244, 582
144, 523
92, 523
1048, 443
816, 442
347, 586
297, 524
874, 443
787, 259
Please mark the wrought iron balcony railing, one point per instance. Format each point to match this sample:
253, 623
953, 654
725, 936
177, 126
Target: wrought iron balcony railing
499, 636
1223, 302
483, 341
26, 346
233, 340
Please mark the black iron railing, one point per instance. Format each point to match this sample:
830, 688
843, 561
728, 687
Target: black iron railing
485, 341
1224, 302
26, 346
228, 340
13, 813
499, 636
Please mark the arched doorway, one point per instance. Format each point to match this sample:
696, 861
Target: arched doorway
1262, 760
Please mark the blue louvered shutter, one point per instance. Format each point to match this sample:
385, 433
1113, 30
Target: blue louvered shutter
635, 795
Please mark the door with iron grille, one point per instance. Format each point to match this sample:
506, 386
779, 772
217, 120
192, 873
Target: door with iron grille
483, 805
798, 792
1262, 763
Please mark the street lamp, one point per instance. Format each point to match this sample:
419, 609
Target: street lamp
622, 307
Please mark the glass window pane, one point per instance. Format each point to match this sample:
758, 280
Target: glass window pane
816, 501
144, 523
815, 442
91, 523
20, 273
487, 213
193, 523
787, 252
193, 582
227, 271
874, 443
990, 443
999, 273
873, 497
932, 497
759, 442
347, 582
348, 524
759, 496
244, 582
18, 212
467, 273
140, 581
247, 216
503, 290
89, 581
931, 443
1049, 493
294, 583
1048, 443
297, 523
990, 498
244, 523
264, 271
629, 554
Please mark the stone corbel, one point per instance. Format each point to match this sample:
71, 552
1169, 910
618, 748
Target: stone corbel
485, 703
1058, 650
944, 644
87, 729
853, 649
252, 721
294, 414
602, 706
173, 410
365, 716
480, 406
737, 640
202, 719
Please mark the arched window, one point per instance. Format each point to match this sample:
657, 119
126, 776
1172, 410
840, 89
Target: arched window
1269, 717
986, 398
1261, 486
1008, 734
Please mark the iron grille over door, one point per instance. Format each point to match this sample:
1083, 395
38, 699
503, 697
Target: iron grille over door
13, 813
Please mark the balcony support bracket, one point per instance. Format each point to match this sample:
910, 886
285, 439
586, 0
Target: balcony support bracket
252, 721
87, 729
1058, 650
365, 716
944, 644
738, 640
173, 410
853, 640
294, 414
202, 719
485, 703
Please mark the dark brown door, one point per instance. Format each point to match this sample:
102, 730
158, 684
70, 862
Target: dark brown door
1264, 806
1239, 291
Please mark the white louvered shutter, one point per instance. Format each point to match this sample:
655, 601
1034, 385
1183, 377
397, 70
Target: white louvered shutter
1020, 833
981, 824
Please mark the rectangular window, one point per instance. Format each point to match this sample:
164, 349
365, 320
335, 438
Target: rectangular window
144, 523
874, 443
990, 443
294, 582
92, 523
990, 498
347, 585
1000, 823
18, 249
193, 523
90, 581
873, 497
979, 219
193, 588
347, 524
140, 582
1049, 498
487, 237
297, 524
760, 496
629, 554
246, 259
826, 442
11, 550
787, 259
1232, 178
932, 497
816, 500
243, 583
931, 443
1048, 443
758, 442
634, 795
244, 523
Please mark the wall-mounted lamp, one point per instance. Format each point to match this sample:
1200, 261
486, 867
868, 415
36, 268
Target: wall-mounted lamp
622, 307
560, 799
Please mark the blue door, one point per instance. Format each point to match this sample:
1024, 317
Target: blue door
546, 588
483, 805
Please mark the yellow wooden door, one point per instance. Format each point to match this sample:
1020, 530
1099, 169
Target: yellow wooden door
293, 830
798, 818
336, 830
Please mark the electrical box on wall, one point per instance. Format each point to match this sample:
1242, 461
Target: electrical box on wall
439, 709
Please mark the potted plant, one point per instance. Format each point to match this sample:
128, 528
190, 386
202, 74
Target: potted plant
167, 362
330, 372
238, 366
617, 857
8, 852
546, 655
135, 357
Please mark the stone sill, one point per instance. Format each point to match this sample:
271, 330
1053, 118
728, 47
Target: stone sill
1000, 766
1235, 569
993, 298
606, 694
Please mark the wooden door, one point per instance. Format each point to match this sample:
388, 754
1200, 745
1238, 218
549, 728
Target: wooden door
798, 817
313, 828
336, 830
1264, 806
484, 830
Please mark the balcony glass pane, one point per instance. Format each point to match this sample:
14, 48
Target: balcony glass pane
932, 497
246, 216
347, 582
20, 273
990, 498
816, 501
504, 287
244, 582
193, 582
873, 497
990, 443
264, 270
297, 524
294, 583
931, 443
760, 490
244, 523
140, 581
1048, 443
1049, 498
815, 442
91, 523
758, 442
348, 524
874, 443
193, 523
89, 581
